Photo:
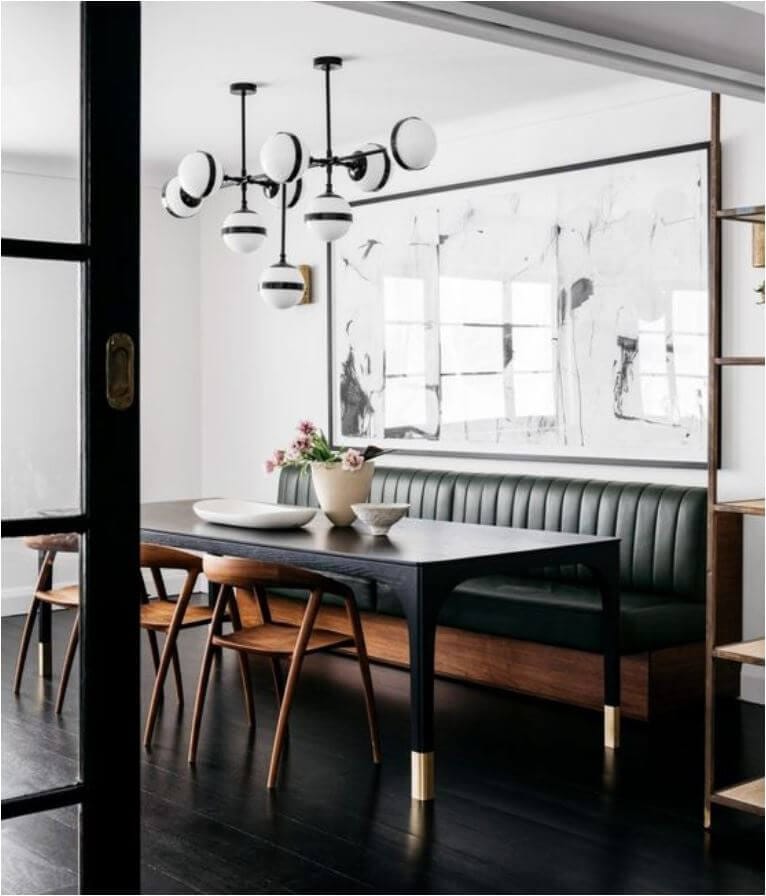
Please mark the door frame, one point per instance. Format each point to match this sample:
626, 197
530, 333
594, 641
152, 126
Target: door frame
108, 788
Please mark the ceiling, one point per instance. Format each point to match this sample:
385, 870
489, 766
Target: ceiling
193, 50
700, 29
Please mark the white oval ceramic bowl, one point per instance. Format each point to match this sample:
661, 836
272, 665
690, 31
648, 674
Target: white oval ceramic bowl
380, 517
252, 514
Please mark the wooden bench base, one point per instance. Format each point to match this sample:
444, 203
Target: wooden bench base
652, 683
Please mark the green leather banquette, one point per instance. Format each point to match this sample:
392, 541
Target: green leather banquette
662, 554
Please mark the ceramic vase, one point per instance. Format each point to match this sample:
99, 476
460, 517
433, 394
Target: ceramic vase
337, 489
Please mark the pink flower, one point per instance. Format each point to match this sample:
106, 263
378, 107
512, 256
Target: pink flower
307, 428
302, 443
352, 460
277, 459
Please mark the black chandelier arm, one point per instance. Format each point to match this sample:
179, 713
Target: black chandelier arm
243, 166
262, 180
347, 161
282, 257
329, 158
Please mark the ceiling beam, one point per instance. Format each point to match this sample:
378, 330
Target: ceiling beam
525, 32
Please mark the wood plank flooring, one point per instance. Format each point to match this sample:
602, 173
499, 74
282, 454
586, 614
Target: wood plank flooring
526, 801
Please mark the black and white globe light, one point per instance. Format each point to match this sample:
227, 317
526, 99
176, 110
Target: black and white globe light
281, 285
200, 174
177, 202
243, 231
413, 143
328, 216
293, 190
284, 157
372, 169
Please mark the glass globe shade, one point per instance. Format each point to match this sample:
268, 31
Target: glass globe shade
328, 216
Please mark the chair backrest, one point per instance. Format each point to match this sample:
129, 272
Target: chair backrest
159, 557
662, 528
240, 572
155, 558
63, 542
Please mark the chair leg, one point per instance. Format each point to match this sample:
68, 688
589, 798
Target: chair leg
364, 668
26, 637
154, 647
204, 672
177, 676
71, 650
277, 673
299, 652
244, 664
168, 653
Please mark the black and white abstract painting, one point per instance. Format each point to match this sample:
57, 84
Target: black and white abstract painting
556, 315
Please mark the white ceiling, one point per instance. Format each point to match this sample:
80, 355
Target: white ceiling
193, 50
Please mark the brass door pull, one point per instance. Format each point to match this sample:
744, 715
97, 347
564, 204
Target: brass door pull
120, 380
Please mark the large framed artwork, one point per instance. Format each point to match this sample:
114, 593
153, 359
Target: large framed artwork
558, 314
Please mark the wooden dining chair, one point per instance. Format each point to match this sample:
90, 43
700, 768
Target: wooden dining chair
169, 616
161, 614
48, 546
252, 578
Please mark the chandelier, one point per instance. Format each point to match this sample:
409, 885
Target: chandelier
284, 160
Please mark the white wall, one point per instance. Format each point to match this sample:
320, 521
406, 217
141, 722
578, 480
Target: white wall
40, 336
264, 369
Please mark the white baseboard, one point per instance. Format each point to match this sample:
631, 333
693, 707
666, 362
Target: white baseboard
15, 601
752, 685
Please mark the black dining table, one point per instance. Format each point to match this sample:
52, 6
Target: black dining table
420, 562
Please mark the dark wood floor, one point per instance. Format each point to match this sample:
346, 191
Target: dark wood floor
526, 801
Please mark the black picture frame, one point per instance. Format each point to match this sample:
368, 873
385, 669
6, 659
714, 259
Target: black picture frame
334, 439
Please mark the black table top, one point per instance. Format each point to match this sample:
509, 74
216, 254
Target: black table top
411, 541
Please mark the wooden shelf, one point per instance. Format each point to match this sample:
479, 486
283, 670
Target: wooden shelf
747, 797
739, 361
752, 214
751, 652
749, 507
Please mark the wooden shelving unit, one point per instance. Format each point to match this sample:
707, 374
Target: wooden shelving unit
741, 361
747, 797
751, 652
748, 507
724, 644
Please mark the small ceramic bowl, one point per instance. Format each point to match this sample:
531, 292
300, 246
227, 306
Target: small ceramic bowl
380, 517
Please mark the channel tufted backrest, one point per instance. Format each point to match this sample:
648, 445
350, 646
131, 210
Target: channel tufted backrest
429, 492
661, 527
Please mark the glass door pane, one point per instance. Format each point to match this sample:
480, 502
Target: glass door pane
40, 67
39, 341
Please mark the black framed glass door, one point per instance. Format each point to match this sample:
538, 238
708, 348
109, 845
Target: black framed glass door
103, 266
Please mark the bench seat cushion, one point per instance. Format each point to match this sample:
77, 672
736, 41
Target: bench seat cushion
564, 614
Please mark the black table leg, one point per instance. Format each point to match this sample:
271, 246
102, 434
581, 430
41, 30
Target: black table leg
608, 576
421, 613
44, 646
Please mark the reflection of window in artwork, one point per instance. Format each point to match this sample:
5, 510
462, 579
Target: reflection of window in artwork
672, 360
690, 345
405, 351
532, 334
477, 331
472, 356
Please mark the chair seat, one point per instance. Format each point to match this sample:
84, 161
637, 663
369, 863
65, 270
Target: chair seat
68, 596
158, 614
279, 638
